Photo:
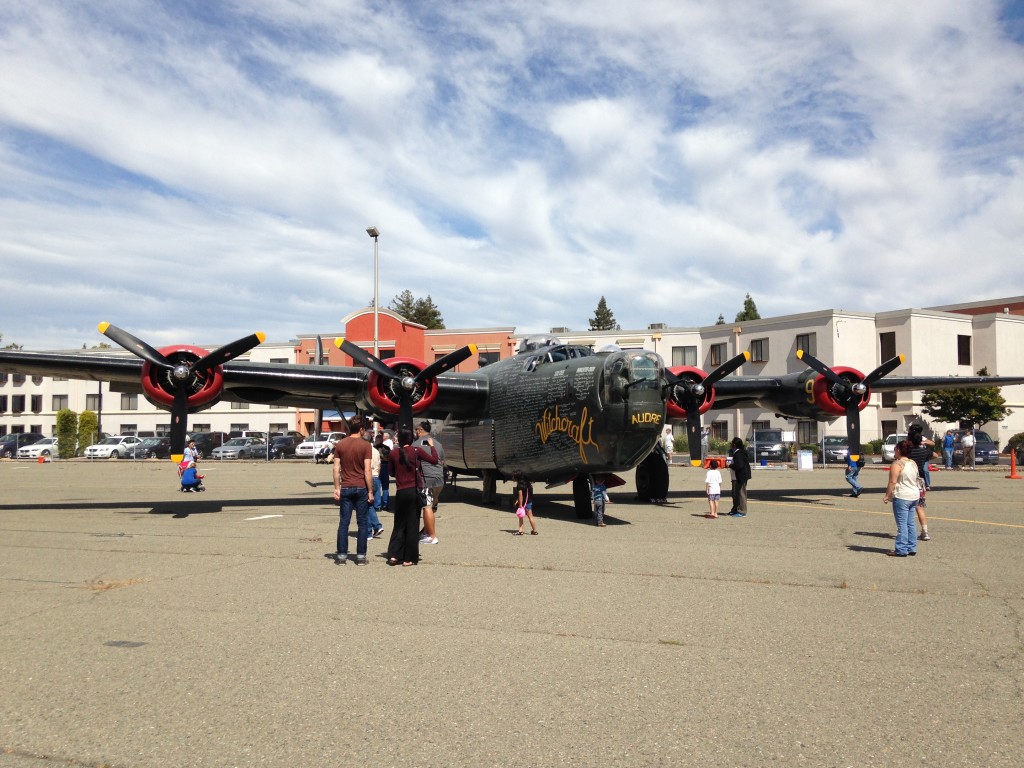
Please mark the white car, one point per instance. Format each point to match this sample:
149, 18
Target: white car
113, 447
308, 448
889, 447
46, 447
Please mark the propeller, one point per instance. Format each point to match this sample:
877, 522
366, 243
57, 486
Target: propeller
690, 394
849, 394
181, 374
406, 384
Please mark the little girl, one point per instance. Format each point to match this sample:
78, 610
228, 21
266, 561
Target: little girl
713, 488
600, 490
524, 501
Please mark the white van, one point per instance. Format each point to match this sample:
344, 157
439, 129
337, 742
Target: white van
889, 446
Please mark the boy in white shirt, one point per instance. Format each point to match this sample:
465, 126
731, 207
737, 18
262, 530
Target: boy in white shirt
713, 488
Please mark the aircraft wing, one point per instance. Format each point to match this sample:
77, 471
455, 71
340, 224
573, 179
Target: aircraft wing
299, 386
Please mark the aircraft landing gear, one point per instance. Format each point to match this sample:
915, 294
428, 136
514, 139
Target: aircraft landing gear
490, 487
582, 498
652, 477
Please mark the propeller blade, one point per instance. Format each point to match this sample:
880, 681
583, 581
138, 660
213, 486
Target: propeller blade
726, 368
816, 364
228, 352
405, 413
136, 346
179, 422
360, 355
693, 437
853, 430
447, 362
883, 370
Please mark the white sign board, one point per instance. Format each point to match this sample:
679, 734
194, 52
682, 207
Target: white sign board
805, 460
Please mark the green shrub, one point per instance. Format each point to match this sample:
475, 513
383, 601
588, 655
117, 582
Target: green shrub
67, 433
88, 429
872, 447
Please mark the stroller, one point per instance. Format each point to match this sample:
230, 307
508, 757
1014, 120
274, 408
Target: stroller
191, 480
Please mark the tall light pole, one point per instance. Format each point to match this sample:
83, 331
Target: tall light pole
375, 233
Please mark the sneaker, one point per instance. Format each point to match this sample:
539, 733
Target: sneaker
429, 540
340, 559
360, 559
737, 514
378, 533
925, 536
424, 538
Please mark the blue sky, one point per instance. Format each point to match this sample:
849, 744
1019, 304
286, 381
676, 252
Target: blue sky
194, 171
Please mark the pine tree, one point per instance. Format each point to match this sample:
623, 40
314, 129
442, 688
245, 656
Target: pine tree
422, 311
974, 406
603, 319
749, 311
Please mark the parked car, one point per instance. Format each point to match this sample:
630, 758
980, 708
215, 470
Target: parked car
889, 446
835, 449
113, 447
152, 448
767, 444
45, 448
986, 450
309, 447
207, 441
12, 443
284, 446
241, 448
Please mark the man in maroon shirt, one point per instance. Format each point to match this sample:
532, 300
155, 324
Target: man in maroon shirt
353, 487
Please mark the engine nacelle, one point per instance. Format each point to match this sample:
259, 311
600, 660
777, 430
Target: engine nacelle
204, 389
819, 391
383, 392
675, 408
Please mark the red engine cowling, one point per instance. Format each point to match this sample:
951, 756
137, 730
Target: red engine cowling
204, 389
383, 392
820, 392
675, 409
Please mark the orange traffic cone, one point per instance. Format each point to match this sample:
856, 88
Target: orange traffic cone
1013, 467
41, 460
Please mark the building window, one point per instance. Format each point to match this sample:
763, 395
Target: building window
684, 356
3, 403
759, 351
887, 345
756, 425
720, 430
37, 403
279, 359
717, 355
486, 358
963, 350
18, 379
196, 428
888, 399
128, 429
93, 402
888, 428
808, 342
240, 427
37, 380
3, 379
60, 402
282, 428
239, 406
806, 431
17, 403
129, 402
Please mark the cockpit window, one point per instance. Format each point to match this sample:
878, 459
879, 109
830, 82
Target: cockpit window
646, 372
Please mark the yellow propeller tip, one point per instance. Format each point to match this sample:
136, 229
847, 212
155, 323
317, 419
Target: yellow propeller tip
177, 457
261, 336
903, 359
799, 354
472, 348
339, 341
102, 327
746, 355
855, 457
695, 462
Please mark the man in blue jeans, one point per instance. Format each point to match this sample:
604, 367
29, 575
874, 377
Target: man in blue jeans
852, 470
353, 488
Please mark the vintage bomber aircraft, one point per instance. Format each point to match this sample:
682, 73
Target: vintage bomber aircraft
558, 413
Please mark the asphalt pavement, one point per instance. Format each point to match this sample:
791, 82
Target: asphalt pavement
142, 627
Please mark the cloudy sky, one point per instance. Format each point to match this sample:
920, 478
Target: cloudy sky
194, 170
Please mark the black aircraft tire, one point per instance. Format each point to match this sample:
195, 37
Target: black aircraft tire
652, 478
582, 498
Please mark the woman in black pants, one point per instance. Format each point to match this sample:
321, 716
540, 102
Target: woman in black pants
404, 463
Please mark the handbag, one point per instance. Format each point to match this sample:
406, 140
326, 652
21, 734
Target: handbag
422, 492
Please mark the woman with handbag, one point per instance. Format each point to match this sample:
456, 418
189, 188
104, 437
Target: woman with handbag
404, 463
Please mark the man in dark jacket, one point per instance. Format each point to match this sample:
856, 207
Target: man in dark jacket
740, 465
